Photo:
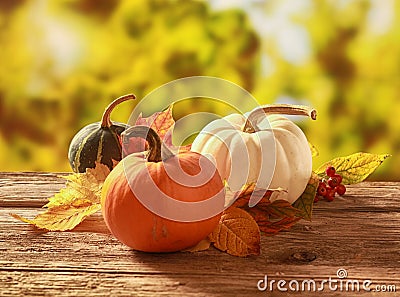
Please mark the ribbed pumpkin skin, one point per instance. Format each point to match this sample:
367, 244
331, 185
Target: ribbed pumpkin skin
95, 143
291, 154
137, 227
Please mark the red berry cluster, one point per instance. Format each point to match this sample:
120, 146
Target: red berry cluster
328, 188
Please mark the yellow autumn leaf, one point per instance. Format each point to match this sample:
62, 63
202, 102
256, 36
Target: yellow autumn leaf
80, 186
237, 233
72, 204
61, 218
354, 168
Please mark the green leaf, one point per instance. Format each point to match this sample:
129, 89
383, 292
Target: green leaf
354, 168
306, 201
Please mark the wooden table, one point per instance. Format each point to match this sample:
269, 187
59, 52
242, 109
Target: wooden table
359, 233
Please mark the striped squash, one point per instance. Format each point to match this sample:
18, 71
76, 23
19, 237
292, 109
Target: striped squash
98, 142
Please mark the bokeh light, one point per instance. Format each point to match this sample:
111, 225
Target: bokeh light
63, 61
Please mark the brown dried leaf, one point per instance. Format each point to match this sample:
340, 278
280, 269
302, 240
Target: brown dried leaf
237, 233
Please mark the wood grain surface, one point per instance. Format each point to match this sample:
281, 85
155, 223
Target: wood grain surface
359, 233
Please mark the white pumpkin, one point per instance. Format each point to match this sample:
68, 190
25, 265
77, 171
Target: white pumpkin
260, 147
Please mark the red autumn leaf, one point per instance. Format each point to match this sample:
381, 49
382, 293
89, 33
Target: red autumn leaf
241, 198
271, 217
272, 227
277, 209
163, 124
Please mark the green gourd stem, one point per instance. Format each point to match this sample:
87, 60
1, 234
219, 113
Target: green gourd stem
155, 144
105, 119
287, 109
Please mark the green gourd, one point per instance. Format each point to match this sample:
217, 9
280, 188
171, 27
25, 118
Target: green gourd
98, 142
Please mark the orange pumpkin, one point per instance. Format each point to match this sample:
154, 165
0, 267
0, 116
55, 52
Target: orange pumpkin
163, 204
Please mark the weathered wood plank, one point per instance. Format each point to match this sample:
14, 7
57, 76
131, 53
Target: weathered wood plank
359, 233
334, 240
24, 283
31, 189
28, 189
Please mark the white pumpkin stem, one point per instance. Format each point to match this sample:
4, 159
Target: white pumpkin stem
105, 119
287, 109
158, 150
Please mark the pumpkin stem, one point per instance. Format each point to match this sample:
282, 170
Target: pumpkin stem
105, 119
158, 150
287, 109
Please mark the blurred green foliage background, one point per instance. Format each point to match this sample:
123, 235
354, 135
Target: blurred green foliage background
63, 61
